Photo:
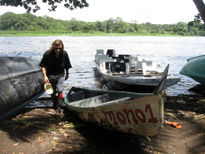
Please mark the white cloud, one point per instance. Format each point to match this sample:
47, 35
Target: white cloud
154, 11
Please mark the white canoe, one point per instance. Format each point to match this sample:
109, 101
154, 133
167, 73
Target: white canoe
135, 113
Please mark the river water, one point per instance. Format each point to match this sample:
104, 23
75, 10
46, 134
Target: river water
82, 49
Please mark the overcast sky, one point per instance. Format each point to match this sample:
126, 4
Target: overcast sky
140, 11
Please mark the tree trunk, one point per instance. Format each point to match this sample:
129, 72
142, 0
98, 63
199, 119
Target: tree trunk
201, 8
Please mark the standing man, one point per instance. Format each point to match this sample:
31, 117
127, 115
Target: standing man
54, 63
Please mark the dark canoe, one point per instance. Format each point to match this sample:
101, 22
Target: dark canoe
21, 81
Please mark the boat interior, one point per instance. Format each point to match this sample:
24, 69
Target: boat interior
85, 98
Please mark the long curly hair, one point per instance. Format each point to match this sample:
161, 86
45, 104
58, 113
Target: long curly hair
55, 44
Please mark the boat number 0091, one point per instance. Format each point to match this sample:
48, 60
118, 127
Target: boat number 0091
123, 117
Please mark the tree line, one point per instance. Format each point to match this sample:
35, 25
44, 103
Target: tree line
31, 23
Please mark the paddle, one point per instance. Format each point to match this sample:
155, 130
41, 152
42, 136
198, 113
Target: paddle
162, 82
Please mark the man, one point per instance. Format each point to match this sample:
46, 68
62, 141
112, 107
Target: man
54, 63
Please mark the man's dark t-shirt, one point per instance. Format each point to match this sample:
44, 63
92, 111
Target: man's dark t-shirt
54, 65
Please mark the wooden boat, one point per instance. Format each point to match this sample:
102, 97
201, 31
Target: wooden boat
21, 80
194, 68
123, 72
128, 112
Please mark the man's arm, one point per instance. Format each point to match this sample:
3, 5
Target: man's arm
66, 74
45, 78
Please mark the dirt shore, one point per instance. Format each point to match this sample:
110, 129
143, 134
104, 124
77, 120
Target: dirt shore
41, 131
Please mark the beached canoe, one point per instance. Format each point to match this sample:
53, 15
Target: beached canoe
140, 114
128, 112
127, 72
194, 68
21, 80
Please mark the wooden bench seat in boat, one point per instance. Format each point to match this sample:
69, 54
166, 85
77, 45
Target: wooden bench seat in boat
76, 96
119, 100
92, 101
98, 100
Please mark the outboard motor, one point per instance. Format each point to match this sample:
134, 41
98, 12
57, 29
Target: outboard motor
110, 52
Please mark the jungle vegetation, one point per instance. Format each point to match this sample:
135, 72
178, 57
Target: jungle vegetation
29, 23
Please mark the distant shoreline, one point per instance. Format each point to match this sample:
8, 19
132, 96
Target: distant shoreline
43, 33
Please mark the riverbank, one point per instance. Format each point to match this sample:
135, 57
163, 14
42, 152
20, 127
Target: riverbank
40, 130
49, 33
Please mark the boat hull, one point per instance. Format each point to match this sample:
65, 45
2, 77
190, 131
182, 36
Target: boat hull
131, 83
194, 68
21, 80
141, 115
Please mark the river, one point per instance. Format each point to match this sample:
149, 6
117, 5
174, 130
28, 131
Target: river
82, 49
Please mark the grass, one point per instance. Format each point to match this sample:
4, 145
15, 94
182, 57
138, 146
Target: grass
47, 33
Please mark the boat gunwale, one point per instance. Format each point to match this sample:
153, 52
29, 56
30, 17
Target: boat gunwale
105, 104
14, 75
193, 58
132, 96
131, 80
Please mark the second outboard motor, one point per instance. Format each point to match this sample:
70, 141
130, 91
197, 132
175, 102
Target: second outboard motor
110, 52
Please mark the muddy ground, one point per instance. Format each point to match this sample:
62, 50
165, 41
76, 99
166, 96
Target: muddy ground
41, 131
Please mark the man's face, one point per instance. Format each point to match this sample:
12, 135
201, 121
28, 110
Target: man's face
58, 49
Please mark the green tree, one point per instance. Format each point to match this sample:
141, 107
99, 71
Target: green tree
8, 21
119, 26
109, 25
181, 28
100, 26
33, 5
72, 4
75, 25
88, 27
137, 27
28, 22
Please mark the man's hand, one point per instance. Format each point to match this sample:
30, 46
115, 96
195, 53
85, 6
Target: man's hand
46, 80
66, 76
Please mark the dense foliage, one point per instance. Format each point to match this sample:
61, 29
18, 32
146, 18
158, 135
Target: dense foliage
33, 5
31, 23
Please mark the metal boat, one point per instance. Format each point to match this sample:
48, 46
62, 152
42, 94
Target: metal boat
122, 72
194, 68
21, 81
